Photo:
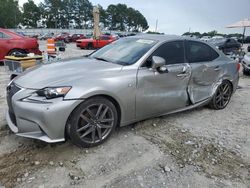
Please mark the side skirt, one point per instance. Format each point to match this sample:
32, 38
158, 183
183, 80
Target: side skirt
201, 103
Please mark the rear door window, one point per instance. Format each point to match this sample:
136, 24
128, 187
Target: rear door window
200, 52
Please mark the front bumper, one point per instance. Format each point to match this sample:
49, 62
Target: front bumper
39, 119
39, 135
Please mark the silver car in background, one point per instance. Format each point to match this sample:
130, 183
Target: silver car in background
131, 79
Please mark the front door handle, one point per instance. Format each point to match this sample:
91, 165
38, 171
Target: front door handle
184, 72
182, 75
217, 68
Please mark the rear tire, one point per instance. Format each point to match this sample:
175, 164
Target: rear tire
92, 122
222, 96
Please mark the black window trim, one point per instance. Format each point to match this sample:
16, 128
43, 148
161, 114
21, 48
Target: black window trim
162, 43
186, 46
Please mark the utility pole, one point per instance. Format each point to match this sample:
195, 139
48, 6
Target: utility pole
156, 25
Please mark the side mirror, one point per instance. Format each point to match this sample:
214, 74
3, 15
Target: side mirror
157, 62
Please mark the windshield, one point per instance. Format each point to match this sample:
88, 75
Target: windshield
124, 51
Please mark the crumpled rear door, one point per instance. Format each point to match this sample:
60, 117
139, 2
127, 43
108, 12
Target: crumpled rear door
203, 81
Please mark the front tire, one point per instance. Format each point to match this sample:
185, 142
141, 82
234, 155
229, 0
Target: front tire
222, 96
92, 122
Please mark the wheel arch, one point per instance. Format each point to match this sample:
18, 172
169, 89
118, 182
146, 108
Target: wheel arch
108, 97
220, 82
230, 82
20, 49
212, 103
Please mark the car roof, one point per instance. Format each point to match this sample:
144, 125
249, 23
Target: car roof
163, 38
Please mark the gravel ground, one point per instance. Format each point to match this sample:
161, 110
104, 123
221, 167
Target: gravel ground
196, 148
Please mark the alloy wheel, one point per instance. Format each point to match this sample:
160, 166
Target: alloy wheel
95, 123
223, 95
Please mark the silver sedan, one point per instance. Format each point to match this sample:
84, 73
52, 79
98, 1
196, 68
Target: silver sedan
131, 79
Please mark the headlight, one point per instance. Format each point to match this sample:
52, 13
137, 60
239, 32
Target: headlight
53, 92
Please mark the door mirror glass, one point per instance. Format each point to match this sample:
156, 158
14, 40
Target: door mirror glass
158, 62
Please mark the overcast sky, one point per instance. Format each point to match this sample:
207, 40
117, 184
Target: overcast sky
177, 16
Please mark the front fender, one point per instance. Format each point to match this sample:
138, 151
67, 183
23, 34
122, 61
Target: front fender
121, 89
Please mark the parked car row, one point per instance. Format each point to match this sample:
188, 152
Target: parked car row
46, 36
226, 45
246, 40
67, 38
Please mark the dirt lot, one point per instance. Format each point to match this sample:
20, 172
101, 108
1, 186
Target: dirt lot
197, 148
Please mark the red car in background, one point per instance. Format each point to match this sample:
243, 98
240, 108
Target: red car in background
95, 43
62, 37
75, 37
12, 43
66, 37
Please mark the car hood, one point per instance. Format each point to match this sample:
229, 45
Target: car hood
65, 72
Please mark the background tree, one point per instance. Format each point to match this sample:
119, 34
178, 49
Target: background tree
53, 13
7, 8
81, 12
70, 13
112, 17
103, 16
212, 34
31, 14
59, 13
120, 17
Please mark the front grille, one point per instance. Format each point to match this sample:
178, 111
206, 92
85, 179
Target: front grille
12, 89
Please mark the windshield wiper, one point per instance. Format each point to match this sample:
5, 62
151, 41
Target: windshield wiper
101, 59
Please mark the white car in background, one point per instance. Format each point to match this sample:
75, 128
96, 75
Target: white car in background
217, 37
246, 62
205, 38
